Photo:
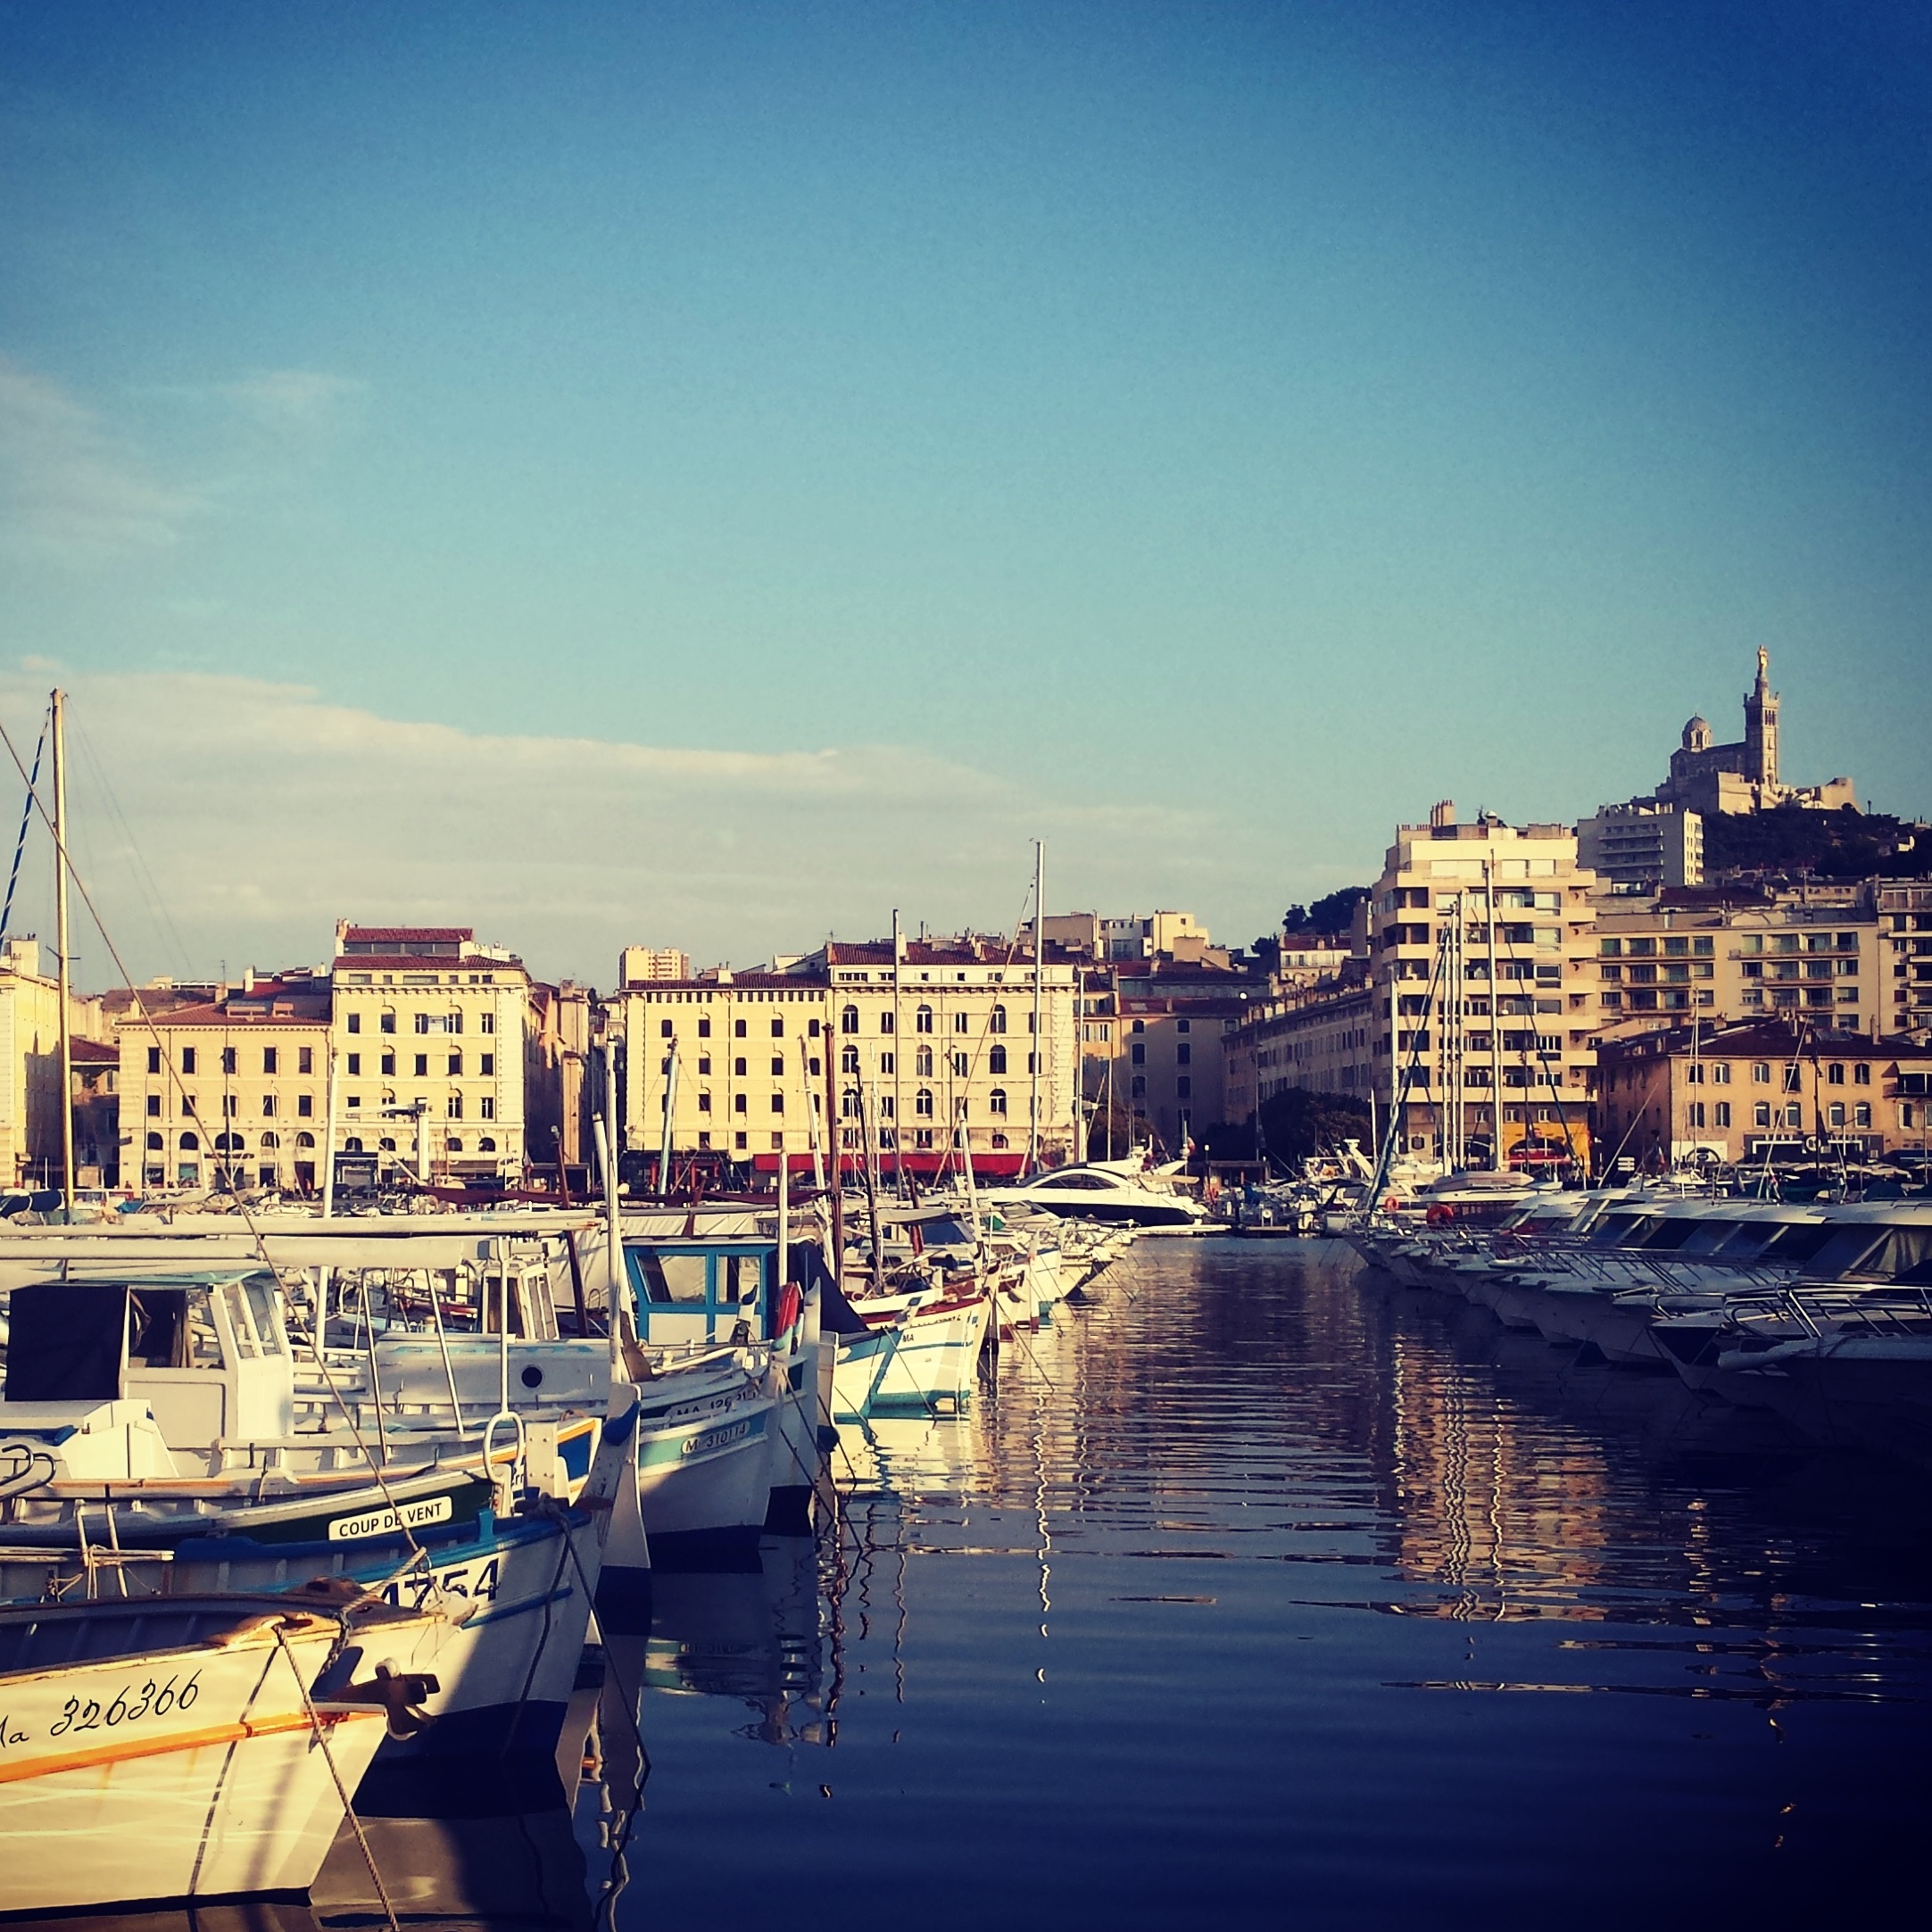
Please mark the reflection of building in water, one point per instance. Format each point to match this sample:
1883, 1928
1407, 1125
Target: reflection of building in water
1485, 1502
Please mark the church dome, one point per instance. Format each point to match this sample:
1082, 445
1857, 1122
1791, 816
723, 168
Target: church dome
1697, 734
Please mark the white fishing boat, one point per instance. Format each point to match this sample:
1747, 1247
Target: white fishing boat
187, 1748
1098, 1191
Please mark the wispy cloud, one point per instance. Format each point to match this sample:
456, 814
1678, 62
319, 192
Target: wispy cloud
263, 813
293, 403
69, 489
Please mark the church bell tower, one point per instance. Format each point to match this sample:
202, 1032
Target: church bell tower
1761, 726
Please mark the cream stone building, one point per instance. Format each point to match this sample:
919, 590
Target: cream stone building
429, 1057
1483, 963
29, 1068
227, 1091
851, 1042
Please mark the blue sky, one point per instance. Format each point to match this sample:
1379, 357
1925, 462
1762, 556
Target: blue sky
1202, 435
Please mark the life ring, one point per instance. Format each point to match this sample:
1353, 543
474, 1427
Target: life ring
1393, 1205
1439, 1215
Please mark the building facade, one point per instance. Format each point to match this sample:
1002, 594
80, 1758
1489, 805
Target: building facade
1318, 1040
429, 1041
1766, 1090
1642, 845
1905, 915
1709, 777
850, 1048
227, 1092
29, 1068
1483, 958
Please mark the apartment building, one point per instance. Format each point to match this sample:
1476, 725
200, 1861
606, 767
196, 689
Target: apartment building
1743, 953
428, 1039
1773, 1090
1904, 908
852, 1042
1482, 959
1318, 1040
29, 1067
225, 1091
1642, 845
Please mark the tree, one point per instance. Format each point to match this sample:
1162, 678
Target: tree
1336, 912
1296, 1124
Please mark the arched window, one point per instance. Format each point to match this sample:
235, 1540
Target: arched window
848, 1019
921, 1062
999, 1139
996, 1021
304, 1140
190, 1143
228, 1143
454, 1144
996, 1102
486, 1145
996, 1060
387, 1145
849, 1060
272, 1140
849, 1104
353, 1145
922, 1103
155, 1143
922, 1021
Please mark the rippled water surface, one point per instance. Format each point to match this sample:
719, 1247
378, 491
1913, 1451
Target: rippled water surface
1263, 1589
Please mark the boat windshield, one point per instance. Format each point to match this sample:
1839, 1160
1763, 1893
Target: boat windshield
1671, 1231
1788, 1241
1612, 1230
1706, 1236
1869, 1253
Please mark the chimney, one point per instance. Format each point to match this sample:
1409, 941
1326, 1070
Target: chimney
1442, 813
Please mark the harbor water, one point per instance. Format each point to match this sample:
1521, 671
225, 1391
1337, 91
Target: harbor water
1259, 1588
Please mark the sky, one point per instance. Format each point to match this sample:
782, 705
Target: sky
707, 475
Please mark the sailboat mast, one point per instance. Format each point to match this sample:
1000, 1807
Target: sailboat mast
59, 703
1033, 1058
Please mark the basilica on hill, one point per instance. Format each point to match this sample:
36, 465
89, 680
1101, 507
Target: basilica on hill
1743, 777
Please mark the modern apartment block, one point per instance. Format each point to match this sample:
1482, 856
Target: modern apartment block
1815, 954
1904, 908
902, 1050
1642, 845
1483, 961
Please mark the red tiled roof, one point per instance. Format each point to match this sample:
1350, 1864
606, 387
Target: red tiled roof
94, 1053
403, 935
294, 1012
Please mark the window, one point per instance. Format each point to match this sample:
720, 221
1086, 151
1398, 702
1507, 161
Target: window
738, 1140
305, 1105
154, 1104
486, 1107
664, 1029
304, 1140
1791, 1078
704, 1026
1720, 1073
388, 1065
922, 1103
304, 1059
778, 1029
848, 1019
961, 1066
996, 1102
153, 1059
355, 1022
454, 1110
1834, 1073
268, 1058
1184, 1053
1761, 1073
848, 1059
704, 1103
885, 1022
388, 1020
487, 1145
1693, 1113
454, 1144
1721, 1113
739, 1105
738, 1066
456, 1065
1861, 1114
187, 1060
778, 1067
921, 1062
886, 1064
922, 1021
996, 1021
1793, 1115
229, 1063
738, 1029
190, 1143
1760, 1113
961, 1024
1861, 1074
268, 1107
779, 1103
1140, 1053
355, 1063
155, 1143
1183, 1088
422, 1066
849, 1104
1139, 1087
1836, 1114
996, 1060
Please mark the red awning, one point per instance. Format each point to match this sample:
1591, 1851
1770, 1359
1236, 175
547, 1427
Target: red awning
1003, 1166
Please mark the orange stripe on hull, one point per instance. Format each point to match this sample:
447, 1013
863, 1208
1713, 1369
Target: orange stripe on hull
185, 1740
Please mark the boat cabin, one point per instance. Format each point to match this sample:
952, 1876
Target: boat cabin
207, 1353
702, 1294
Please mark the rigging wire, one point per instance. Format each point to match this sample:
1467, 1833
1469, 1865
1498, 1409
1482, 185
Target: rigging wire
19, 844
